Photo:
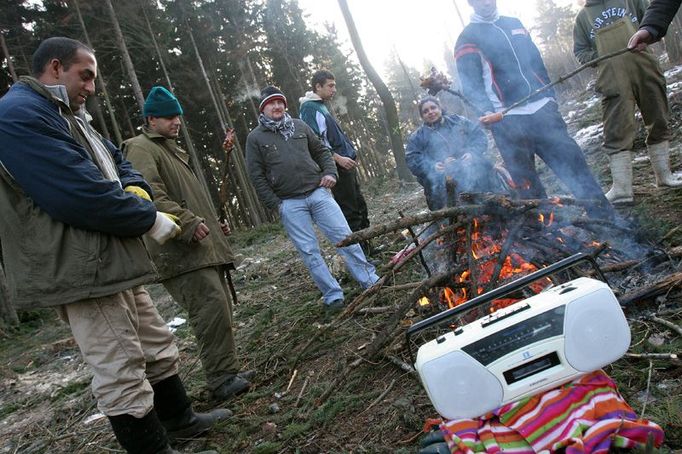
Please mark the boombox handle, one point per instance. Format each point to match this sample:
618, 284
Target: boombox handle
502, 291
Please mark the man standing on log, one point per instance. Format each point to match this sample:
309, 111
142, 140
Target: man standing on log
292, 171
498, 65
73, 213
346, 191
627, 81
192, 266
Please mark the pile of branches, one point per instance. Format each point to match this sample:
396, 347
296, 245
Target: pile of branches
524, 230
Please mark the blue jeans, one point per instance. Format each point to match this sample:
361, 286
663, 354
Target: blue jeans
319, 207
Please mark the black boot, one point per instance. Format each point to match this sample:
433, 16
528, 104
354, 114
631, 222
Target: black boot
140, 435
175, 411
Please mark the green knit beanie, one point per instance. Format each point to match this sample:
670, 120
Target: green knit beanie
161, 103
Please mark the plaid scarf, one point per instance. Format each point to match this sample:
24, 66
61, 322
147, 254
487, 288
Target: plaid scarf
285, 126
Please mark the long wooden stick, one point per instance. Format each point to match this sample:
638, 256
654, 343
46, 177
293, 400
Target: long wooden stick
565, 77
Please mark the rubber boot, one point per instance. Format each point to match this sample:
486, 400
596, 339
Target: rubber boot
233, 386
659, 155
175, 411
140, 435
621, 173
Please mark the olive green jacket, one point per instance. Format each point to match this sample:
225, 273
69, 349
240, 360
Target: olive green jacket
605, 26
178, 191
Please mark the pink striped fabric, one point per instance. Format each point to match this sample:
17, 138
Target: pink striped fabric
587, 415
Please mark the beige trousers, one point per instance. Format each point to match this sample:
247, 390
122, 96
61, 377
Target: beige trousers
206, 298
127, 345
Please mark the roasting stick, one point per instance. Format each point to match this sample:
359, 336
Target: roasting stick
497, 116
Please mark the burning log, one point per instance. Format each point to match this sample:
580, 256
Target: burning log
489, 204
487, 243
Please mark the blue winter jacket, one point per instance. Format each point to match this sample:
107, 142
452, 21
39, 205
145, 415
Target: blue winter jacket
498, 64
58, 174
452, 137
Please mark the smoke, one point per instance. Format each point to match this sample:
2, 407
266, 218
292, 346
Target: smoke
248, 93
340, 104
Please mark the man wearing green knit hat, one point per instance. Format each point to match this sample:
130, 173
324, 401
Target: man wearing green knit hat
193, 267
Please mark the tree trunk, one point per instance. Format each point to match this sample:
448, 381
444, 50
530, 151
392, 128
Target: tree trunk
255, 210
100, 79
127, 61
196, 164
385, 95
8, 57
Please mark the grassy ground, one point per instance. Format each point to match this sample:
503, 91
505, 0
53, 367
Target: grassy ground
45, 402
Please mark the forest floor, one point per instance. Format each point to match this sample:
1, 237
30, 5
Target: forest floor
45, 400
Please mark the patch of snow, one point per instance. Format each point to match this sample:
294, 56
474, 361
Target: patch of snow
589, 135
641, 159
176, 323
674, 71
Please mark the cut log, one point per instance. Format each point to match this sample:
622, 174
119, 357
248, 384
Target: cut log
651, 291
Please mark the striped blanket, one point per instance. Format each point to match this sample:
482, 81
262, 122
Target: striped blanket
587, 415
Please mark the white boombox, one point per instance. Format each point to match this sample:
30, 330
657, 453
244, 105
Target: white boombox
531, 346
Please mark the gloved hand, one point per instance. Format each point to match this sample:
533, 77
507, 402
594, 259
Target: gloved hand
434, 443
165, 227
138, 191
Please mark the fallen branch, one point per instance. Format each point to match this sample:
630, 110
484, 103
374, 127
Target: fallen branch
291, 381
375, 310
395, 267
407, 221
382, 395
300, 394
383, 337
651, 291
648, 387
415, 241
673, 357
666, 323
402, 365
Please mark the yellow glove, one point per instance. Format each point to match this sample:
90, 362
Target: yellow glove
138, 191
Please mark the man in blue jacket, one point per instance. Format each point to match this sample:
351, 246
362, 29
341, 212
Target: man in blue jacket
73, 213
498, 64
316, 115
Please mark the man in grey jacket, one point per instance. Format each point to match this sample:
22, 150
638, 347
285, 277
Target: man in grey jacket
293, 171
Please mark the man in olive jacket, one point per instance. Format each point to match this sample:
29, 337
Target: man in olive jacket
293, 171
71, 227
625, 82
193, 265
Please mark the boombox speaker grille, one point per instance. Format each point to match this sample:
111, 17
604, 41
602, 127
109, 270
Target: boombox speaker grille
460, 387
596, 331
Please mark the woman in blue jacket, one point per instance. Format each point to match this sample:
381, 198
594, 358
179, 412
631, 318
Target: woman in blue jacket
448, 146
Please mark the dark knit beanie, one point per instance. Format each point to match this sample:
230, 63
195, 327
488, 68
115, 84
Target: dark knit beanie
161, 103
270, 93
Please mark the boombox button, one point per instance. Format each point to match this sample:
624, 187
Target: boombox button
459, 331
440, 339
566, 290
